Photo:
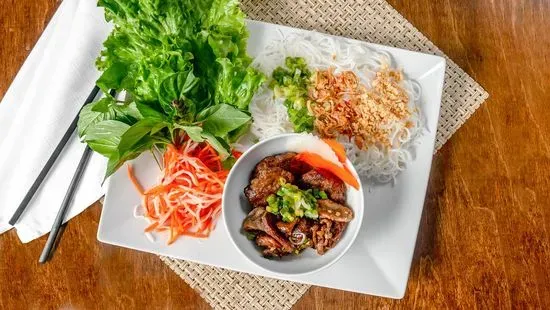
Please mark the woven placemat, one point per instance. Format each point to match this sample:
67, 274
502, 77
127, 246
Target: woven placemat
367, 20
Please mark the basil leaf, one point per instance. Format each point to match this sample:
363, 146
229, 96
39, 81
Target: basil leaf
224, 120
175, 87
116, 161
107, 108
219, 145
127, 113
239, 132
229, 163
147, 111
135, 133
105, 136
103, 104
158, 127
112, 165
202, 115
194, 132
87, 118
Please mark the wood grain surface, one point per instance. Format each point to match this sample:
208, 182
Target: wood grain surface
484, 240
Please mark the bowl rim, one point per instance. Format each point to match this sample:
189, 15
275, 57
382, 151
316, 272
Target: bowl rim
361, 209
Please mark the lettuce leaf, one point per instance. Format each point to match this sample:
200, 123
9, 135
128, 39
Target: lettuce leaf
153, 40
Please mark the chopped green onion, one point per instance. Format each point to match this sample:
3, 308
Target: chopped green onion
290, 202
250, 236
292, 83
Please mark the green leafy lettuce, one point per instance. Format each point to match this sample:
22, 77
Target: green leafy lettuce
184, 67
292, 83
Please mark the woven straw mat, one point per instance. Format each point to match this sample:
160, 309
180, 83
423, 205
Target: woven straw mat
367, 20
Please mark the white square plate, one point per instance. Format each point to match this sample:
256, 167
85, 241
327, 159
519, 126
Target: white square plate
379, 261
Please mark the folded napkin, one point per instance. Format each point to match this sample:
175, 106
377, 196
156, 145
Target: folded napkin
37, 109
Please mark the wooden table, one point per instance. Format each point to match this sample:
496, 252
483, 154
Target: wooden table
485, 233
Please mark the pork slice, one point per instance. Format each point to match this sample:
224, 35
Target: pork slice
276, 161
273, 252
266, 241
334, 211
337, 231
254, 220
264, 184
304, 226
286, 228
260, 220
325, 234
298, 167
325, 181
271, 247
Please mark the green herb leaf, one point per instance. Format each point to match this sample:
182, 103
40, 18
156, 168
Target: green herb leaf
112, 165
116, 160
103, 105
178, 61
135, 133
194, 132
106, 109
202, 115
174, 88
218, 144
112, 77
224, 120
88, 118
239, 132
158, 127
105, 136
127, 113
229, 162
147, 111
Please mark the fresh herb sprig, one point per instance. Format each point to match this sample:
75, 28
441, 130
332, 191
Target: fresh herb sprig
184, 68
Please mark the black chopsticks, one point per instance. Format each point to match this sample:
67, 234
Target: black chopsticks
58, 222
57, 226
34, 187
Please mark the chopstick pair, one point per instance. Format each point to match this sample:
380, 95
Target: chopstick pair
54, 235
44, 172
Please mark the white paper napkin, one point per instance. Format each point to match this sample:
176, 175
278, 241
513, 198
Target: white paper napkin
45, 96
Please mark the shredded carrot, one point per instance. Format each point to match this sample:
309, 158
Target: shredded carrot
338, 148
151, 227
236, 154
187, 202
138, 186
318, 162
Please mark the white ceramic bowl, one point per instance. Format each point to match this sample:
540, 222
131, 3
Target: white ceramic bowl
236, 206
